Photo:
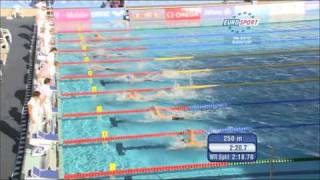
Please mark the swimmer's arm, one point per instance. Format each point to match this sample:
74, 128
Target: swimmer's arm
42, 100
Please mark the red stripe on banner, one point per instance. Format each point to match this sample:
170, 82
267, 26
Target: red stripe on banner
174, 14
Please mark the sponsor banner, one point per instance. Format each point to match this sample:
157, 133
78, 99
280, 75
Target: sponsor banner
107, 14
259, 12
143, 3
147, 15
287, 8
75, 25
284, 12
312, 6
62, 15
216, 12
174, 14
312, 10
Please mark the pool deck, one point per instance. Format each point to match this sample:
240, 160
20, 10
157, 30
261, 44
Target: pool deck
12, 91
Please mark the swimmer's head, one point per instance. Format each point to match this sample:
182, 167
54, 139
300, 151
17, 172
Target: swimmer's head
57, 64
36, 94
153, 108
130, 76
47, 81
54, 50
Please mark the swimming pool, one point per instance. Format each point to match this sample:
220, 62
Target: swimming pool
269, 84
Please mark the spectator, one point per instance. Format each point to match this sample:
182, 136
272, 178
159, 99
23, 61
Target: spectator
105, 4
35, 113
126, 16
42, 73
46, 97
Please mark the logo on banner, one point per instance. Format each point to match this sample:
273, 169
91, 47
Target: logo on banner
241, 22
108, 14
147, 14
182, 13
72, 15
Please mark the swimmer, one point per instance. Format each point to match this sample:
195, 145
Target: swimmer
100, 68
133, 78
98, 37
156, 112
191, 142
134, 96
104, 53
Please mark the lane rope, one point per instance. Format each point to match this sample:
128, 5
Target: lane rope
255, 34
185, 46
189, 71
184, 167
200, 56
196, 107
179, 133
191, 87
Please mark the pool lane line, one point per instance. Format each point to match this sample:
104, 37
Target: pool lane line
110, 39
92, 31
276, 174
189, 71
196, 107
135, 48
191, 87
96, 140
114, 39
215, 55
186, 167
173, 58
184, 46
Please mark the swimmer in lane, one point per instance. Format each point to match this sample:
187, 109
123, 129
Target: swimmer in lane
98, 37
191, 142
100, 68
134, 96
156, 113
103, 53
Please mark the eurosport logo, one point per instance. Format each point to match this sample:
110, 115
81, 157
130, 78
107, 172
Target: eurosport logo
241, 22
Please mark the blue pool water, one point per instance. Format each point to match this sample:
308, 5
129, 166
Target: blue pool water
206, 45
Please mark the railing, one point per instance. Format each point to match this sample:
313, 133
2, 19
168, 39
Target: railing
17, 172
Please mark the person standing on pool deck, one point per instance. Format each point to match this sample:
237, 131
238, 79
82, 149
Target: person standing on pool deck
35, 113
46, 94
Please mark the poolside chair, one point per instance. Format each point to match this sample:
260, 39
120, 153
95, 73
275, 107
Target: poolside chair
48, 136
43, 139
6, 34
39, 151
44, 173
4, 45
